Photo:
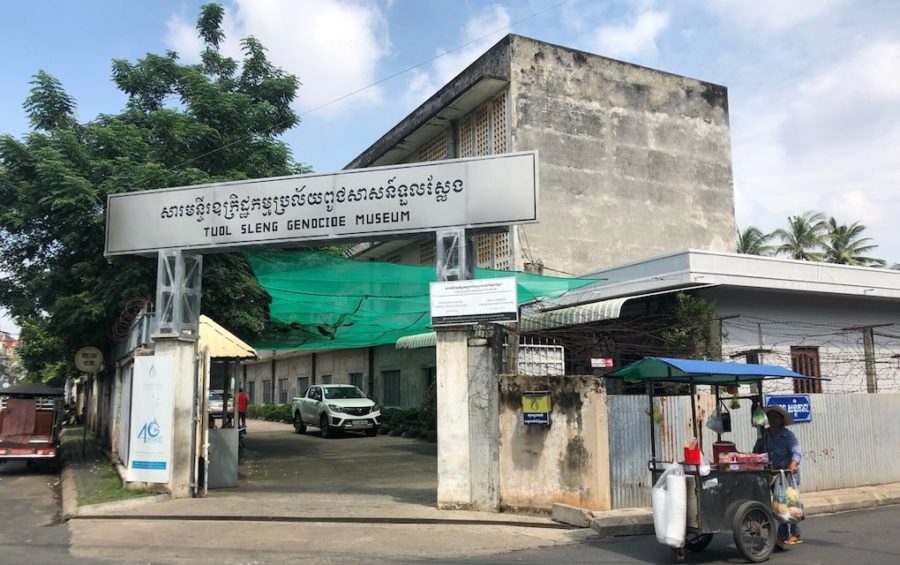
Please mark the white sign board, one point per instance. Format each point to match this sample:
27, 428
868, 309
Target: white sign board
152, 406
473, 301
355, 204
89, 359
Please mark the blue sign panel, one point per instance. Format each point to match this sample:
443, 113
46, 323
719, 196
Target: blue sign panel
537, 418
797, 405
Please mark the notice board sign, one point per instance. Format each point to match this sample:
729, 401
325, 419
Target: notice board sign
536, 408
797, 405
470, 302
152, 407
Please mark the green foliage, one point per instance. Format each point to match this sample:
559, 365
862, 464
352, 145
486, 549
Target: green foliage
182, 124
752, 241
689, 327
428, 411
271, 412
844, 245
804, 236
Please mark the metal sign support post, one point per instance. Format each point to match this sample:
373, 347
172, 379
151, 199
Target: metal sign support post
176, 334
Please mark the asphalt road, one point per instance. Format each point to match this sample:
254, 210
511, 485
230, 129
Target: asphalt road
30, 531
866, 537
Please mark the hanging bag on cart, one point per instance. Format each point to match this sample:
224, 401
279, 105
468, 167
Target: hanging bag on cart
786, 503
669, 499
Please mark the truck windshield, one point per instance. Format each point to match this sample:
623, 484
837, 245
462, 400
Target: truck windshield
344, 392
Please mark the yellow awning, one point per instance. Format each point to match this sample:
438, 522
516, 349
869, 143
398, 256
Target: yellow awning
221, 342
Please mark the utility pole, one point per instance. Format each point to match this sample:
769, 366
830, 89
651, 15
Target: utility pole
869, 353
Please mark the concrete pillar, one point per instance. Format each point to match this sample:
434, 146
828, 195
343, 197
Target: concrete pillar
115, 417
184, 350
468, 423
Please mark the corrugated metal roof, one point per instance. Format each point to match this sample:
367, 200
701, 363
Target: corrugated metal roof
563, 317
221, 342
416, 341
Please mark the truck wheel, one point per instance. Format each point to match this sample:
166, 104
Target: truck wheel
324, 429
299, 426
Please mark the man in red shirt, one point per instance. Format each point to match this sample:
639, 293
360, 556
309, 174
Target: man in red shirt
243, 401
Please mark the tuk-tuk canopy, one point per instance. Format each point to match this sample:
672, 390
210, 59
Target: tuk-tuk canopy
665, 369
30, 389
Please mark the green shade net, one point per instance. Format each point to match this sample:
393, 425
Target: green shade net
320, 301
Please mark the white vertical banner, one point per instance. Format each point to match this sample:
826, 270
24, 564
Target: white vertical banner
152, 408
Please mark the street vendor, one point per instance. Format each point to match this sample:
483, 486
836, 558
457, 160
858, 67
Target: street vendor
784, 453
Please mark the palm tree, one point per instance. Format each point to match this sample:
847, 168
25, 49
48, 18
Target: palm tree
844, 246
752, 241
804, 237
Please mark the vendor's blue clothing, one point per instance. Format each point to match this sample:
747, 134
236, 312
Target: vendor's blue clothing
783, 448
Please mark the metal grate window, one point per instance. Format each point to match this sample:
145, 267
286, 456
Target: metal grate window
498, 124
805, 360
391, 380
427, 252
466, 146
435, 150
267, 391
251, 392
356, 379
482, 125
326, 379
282, 391
302, 385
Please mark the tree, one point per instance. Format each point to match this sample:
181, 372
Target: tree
752, 241
844, 246
804, 237
182, 124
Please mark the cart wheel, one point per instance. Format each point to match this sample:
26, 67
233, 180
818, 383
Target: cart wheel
697, 542
679, 554
755, 531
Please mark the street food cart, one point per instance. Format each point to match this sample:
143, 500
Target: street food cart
30, 420
732, 496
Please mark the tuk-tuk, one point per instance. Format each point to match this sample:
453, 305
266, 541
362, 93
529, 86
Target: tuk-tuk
725, 497
31, 417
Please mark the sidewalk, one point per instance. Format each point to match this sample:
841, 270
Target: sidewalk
86, 477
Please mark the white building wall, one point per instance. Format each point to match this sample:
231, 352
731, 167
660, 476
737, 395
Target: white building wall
776, 321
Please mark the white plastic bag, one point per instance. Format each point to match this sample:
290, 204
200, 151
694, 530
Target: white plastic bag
669, 500
786, 504
704, 467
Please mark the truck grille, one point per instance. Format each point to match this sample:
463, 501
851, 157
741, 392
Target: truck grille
357, 411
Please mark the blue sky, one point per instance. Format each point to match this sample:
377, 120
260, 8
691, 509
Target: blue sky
814, 85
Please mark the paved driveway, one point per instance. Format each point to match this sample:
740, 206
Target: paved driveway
350, 466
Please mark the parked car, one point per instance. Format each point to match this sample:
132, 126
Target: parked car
336, 407
214, 405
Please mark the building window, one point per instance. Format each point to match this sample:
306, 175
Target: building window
302, 385
282, 391
391, 381
805, 360
427, 251
356, 379
251, 392
430, 376
267, 391
326, 379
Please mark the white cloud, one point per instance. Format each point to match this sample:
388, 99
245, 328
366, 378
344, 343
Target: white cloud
333, 46
632, 39
830, 143
771, 15
479, 32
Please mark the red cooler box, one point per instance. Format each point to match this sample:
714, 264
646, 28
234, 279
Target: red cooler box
720, 447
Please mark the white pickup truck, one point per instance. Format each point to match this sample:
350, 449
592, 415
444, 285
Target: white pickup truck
336, 407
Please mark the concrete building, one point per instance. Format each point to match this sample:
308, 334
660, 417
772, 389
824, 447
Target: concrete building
634, 162
819, 319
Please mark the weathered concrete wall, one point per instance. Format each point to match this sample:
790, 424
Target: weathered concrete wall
633, 162
567, 462
468, 456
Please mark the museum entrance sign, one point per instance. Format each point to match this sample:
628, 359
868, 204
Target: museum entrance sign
360, 204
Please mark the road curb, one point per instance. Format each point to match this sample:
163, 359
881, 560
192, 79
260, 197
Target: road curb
103, 508
639, 521
69, 494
